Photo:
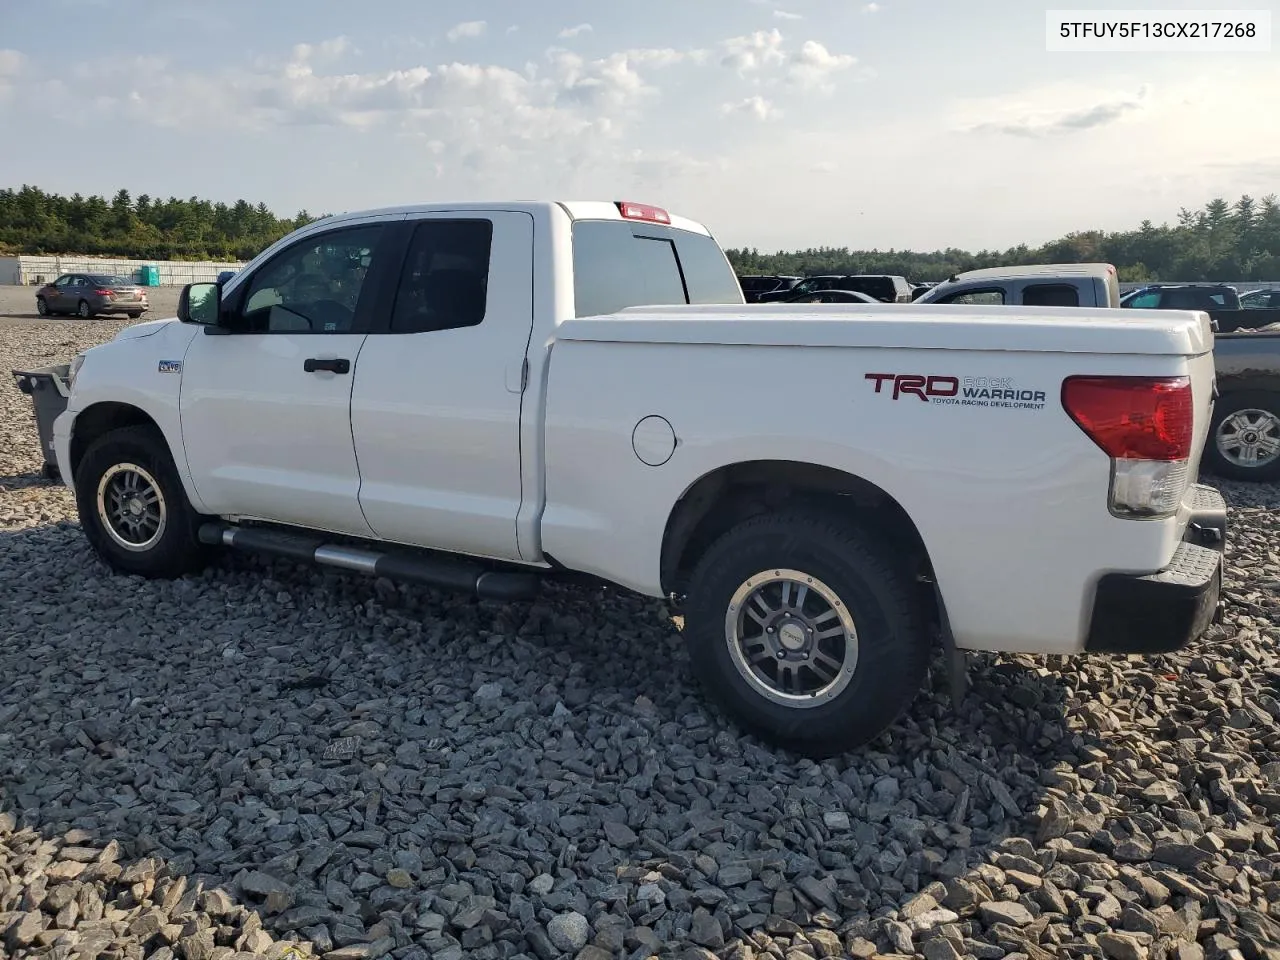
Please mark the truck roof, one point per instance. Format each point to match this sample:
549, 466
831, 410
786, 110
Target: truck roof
1038, 270
575, 209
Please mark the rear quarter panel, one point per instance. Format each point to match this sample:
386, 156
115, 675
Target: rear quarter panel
1011, 502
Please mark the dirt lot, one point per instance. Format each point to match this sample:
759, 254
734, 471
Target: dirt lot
268, 757
19, 303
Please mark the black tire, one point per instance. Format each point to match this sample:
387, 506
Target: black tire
135, 315
42, 307
893, 644
1228, 406
176, 550
83, 310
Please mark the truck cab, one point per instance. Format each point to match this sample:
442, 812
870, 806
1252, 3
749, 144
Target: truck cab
1039, 285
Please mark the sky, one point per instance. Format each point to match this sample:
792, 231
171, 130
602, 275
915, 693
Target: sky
780, 124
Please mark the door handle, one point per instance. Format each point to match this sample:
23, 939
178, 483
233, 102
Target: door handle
313, 364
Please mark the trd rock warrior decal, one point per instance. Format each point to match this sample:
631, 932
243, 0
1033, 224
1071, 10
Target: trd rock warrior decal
958, 391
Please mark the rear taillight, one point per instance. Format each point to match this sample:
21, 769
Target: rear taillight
105, 292
1145, 425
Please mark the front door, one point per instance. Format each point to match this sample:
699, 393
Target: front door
435, 408
266, 399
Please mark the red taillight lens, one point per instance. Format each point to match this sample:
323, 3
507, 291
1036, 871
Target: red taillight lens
1133, 418
105, 292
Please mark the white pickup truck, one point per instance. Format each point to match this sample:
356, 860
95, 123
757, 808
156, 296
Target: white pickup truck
478, 396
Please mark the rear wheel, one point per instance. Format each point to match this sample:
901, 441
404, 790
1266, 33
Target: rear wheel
132, 507
84, 311
1244, 436
806, 631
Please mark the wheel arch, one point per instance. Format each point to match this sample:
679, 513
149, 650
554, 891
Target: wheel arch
104, 416
731, 493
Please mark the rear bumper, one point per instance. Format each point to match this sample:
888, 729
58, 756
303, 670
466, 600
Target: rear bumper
1164, 611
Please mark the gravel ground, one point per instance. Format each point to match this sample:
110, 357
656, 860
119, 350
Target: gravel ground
271, 760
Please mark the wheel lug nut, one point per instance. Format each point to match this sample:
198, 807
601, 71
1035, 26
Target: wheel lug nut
782, 654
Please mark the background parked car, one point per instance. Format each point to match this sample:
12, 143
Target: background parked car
90, 294
754, 286
832, 296
1182, 296
1260, 300
885, 288
1221, 302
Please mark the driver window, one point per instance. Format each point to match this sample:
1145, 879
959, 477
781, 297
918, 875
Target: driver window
314, 286
984, 297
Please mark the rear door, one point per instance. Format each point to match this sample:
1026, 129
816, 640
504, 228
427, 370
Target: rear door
435, 404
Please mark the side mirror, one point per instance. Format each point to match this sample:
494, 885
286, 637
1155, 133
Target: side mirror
200, 303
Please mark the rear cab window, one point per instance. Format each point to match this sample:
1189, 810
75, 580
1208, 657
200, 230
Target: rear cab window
1050, 295
619, 264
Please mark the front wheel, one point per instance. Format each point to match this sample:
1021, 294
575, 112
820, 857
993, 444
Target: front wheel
42, 306
1244, 436
132, 507
806, 631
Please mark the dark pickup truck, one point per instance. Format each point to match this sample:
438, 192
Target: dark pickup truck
1222, 303
1244, 434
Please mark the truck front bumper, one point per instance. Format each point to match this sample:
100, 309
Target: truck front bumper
1164, 611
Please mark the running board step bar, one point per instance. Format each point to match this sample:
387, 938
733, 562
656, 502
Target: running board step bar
447, 573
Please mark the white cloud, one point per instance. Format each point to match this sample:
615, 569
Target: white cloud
471, 28
512, 29
813, 65
10, 63
871, 8
753, 52
10, 66
824, 166
609, 83
1049, 112
756, 106
325, 50
580, 29
786, 15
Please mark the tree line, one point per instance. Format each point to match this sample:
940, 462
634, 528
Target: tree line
33, 221
1221, 241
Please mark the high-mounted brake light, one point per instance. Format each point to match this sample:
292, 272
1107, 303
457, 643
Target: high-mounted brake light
1146, 426
643, 211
